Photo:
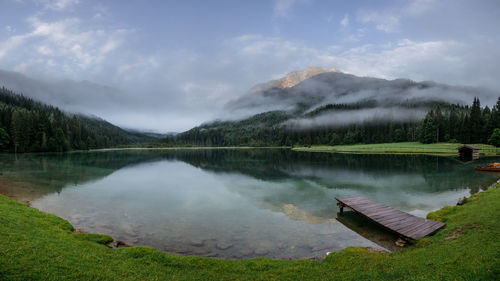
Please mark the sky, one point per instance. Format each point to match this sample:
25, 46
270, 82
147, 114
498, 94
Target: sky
171, 65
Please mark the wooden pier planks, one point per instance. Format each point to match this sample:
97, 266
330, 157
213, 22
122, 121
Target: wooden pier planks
404, 224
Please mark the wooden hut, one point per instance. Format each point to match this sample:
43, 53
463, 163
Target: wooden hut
468, 151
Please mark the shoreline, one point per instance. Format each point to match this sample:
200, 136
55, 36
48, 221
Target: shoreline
154, 148
5, 184
113, 243
40, 246
187, 148
404, 148
24, 200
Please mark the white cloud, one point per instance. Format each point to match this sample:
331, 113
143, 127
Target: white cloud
57, 5
69, 43
345, 21
282, 7
384, 21
389, 19
9, 29
11, 43
45, 50
355, 36
430, 60
418, 7
447, 61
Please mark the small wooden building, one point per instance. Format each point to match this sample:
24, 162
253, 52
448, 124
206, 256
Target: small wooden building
468, 151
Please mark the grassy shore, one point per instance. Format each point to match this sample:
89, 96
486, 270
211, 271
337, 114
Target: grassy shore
40, 246
400, 148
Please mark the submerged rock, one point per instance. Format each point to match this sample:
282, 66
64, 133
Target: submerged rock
281, 246
197, 243
118, 244
324, 246
223, 245
209, 255
296, 213
246, 252
261, 251
462, 201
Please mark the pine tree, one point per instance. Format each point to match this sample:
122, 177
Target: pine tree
4, 139
487, 128
495, 114
429, 134
495, 138
439, 122
17, 125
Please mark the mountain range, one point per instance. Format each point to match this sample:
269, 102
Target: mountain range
283, 111
309, 106
310, 94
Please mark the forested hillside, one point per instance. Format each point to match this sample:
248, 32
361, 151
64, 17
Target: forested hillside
321, 106
443, 122
30, 126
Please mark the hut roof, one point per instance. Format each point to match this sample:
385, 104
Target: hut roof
473, 147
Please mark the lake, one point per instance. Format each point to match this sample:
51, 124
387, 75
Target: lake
235, 204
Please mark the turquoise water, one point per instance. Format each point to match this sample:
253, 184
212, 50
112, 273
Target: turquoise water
235, 203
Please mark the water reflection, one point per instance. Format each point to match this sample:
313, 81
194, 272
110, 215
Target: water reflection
234, 203
369, 230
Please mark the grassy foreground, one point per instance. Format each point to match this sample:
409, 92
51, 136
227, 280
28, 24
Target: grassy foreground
40, 246
399, 148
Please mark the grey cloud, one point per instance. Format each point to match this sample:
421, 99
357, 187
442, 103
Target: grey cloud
67, 94
129, 109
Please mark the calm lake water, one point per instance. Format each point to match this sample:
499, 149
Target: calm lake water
235, 203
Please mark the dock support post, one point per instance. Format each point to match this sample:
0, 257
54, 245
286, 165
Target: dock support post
341, 206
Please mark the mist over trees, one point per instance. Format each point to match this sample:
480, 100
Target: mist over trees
337, 108
443, 123
341, 89
266, 129
30, 126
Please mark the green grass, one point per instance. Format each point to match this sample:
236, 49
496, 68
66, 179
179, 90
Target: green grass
400, 148
40, 246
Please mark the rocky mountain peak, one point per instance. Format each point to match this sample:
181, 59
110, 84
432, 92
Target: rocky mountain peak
293, 78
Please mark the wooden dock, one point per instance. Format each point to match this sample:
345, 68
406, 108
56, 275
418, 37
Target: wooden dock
409, 227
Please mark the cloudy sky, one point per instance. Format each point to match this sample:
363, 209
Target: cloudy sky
174, 64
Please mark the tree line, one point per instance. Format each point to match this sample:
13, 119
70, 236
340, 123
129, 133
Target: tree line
464, 124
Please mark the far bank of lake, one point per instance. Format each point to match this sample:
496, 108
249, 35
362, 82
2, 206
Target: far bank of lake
449, 149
